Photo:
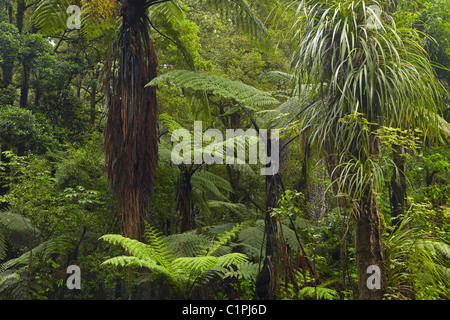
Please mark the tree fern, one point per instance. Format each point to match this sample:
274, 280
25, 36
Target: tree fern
246, 95
182, 272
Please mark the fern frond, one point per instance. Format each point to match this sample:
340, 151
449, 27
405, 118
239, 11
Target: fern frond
188, 244
226, 88
4, 279
127, 261
42, 251
223, 239
319, 292
50, 16
242, 16
134, 247
169, 123
204, 263
16, 222
235, 207
210, 183
195, 264
160, 245
230, 259
168, 12
245, 270
253, 236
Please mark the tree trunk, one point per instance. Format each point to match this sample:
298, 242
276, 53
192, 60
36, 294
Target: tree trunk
93, 102
304, 182
398, 186
370, 266
184, 200
7, 71
24, 88
266, 281
368, 249
131, 140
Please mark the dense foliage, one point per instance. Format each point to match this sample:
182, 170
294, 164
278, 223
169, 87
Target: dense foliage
358, 89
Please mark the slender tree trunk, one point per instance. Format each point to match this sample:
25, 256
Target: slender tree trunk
93, 102
24, 88
184, 200
398, 185
10, 13
266, 281
21, 7
7, 71
304, 183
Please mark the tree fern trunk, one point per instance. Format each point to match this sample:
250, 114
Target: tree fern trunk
266, 281
131, 144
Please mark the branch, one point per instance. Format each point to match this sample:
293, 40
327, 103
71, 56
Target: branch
299, 113
249, 115
293, 138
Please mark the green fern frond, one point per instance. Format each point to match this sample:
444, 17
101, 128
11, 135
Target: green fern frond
210, 183
168, 12
231, 259
187, 244
195, 264
50, 16
223, 239
235, 207
160, 245
201, 264
243, 17
16, 222
245, 270
436, 249
127, 261
253, 236
42, 251
318, 292
4, 279
226, 88
169, 123
134, 247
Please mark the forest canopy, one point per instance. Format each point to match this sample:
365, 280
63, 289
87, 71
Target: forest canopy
224, 150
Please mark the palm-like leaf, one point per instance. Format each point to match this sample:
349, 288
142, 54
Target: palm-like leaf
382, 72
